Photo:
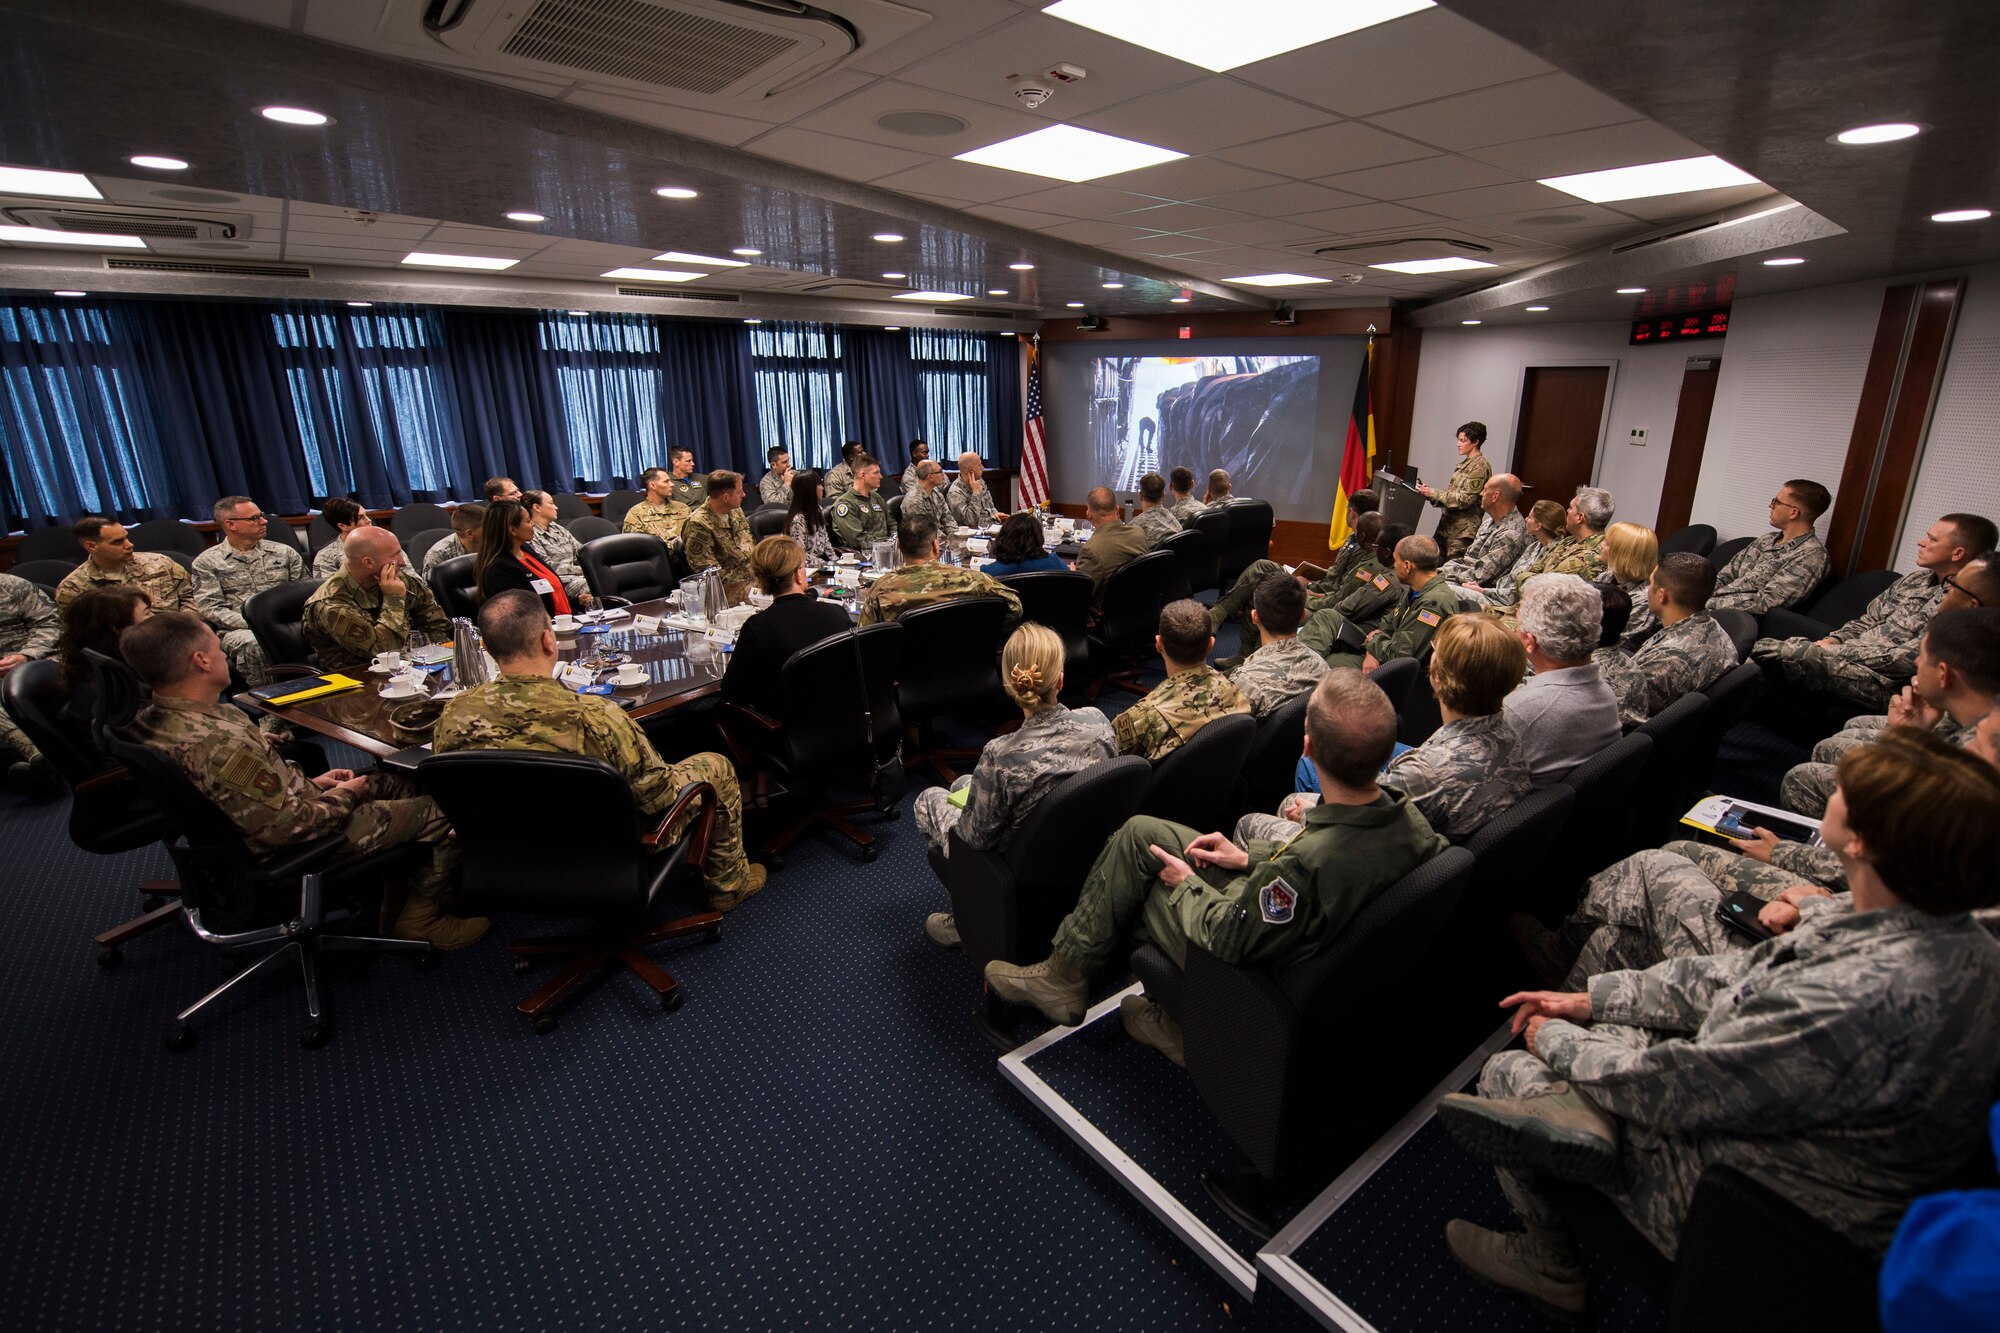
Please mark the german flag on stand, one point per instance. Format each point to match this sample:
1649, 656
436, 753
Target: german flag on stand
1357, 465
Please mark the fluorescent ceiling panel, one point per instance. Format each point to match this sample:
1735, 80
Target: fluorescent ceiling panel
654, 274
1274, 280
1069, 153
487, 263
53, 184
929, 296
80, 240
1221, 36
683, 257
1451, 265
1651, 180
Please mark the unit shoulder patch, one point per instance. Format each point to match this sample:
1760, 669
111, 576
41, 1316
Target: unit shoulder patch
1277, 901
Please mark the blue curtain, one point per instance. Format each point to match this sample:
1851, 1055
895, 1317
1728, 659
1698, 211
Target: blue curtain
711, 397
612, 390
510, 404
801, 405
1005, 412
884, 403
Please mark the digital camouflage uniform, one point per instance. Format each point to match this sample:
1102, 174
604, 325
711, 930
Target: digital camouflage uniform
970, 508
839, 480
774, 489
1277, 673
931, 582
933, 505
1505, 592
1808, 787
1371, 592
1874, 654
662, 520
1406, 630
1185, 509
859, 521
1113, 546
347, 624
1642, 623
1015, 772
1769, 573
274, 805
521, 712
225, 578
1460, 502
448, 548
720, 541
1468, 772
30, 626
1848, 1064
1157, 523
690, 490
326, 560
908, 484
1494, 549
1174, 710
166, 585
1289, 904
1687, 656
558, 548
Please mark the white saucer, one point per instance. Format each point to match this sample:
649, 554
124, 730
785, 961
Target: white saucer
400, 695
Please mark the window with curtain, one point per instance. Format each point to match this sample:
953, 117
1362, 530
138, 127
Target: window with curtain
799, 390
372, 416
609, 374
952, 378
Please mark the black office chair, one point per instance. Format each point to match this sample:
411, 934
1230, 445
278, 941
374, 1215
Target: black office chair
1395, 677
1270, 770
617, 502
1695, 539
588, 527
109, 809
418, 516
1741, 627
1418, 716
1471, 961
1195, 783
1849, 597
1188, 547
1667, 787
1131, 618
1598, 830
896, 511
45, 574
181, 558
1729, 702
617, 876
570, 506
1213, 524
770, 521
319, 533
631, 565
276, 617
1723, 552
454, 584
951, 667
1251, 523
417, 546
168, 535
51, 543
840, 729
1059, 600
237, 897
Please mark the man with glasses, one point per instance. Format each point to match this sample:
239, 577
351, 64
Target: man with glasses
1781, 567
108, 558
228, 574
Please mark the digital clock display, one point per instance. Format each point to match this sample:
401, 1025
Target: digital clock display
1679, 328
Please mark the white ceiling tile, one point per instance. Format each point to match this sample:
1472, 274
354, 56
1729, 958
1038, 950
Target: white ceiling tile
1573, 216
1627, 145
850, 159
1094, 233
1162, 247
1274, 201
965, 181
520, 241
1672, 207
1519, 197
1429, 175
1209, 114
1549, 104
1017, 217
1081, 201
1263, 231
854, 118
1190, 178
1181, 217
1026, 46
1323, 152
681, 120
1365, 218
949, 25
1434, 53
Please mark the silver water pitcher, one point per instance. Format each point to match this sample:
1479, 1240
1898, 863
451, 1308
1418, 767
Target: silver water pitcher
468, 654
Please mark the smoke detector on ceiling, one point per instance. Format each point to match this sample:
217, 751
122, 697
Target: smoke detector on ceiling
1036, 89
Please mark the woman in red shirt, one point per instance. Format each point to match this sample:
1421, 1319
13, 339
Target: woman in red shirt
505, 560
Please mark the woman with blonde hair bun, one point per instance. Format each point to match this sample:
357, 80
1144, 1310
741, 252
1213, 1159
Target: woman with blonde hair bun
1015, 771
1631, 553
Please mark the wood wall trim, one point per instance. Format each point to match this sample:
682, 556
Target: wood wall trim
1871, 417
1393, 387
1909, 420
1234, 324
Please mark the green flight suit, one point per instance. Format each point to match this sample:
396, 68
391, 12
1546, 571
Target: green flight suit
859, 521
1406, 631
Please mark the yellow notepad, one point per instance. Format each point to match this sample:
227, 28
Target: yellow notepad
314, 687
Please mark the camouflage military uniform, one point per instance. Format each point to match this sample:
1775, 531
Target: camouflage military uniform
1185, 510
1685, 657
30, 626
859, 521
326, 560
1015, 772
1642, 624
774, 489
1175, 710
908, 483
166, 585
1460, 502
839, 480
1494, 549
1769, 573
521, 712
1581, 556
225, 578
1505, 594
1157, 523
970, 508
274, 805
933, 504
1276, 674
1468, 772
1808, 787
690, 491
1848, 1064
1290, 903
557, 547
347, 624
662, 520
1405, 630
1371, 593
450, 548
1351, 553
931, 582
1873, 654
722, 541
1110, 548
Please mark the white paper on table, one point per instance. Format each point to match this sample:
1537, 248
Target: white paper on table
646, 624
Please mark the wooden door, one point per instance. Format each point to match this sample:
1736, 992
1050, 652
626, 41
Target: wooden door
1690, 434
1555, 444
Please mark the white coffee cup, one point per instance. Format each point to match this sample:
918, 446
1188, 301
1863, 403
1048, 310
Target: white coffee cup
388, 661
565, 624
631, 673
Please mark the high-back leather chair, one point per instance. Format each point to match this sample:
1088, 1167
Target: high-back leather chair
50, 543
951, 666
1418, 716
1194, 784
1665, 789
45, 574
1740, 626
418, 516
319, 533
1251, 523
1695, 539
570, 506
1470, 968
454, 583
1191, 560
1131, 616
1723, 552
1598, 830
1848, 598
589, 527
770, 521
618, 876
617, 503
632, 565
1395, 677
1212, 523
277, 618
1059, 600
418, 545
167, 535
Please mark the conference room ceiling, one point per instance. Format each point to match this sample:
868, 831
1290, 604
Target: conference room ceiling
1417, 137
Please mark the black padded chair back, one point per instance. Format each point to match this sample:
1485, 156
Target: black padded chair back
1666, 788
416, 517
1060, 600
1250, 526
1418, 715
51, 543
1729, 701
1212, 523
1396, 676
589, 527
617, 502
1272, 764
45, 574
418, 545
277, 617
1850, 597
104, 818
453, 582
1131, 609
319, 533
1192, 557
1194, 783
168, 534
1598, 830
570, 506
951, 659
825, 730
896, 512
1517, 837
1724, 551
1695, 539
1379, 942
770, 521
181, 558
1740, 626
632, 565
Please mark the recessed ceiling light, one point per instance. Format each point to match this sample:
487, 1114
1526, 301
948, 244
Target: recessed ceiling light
576, 312
1177, 300
361, 305
67, 293
1963, 215
929, 296
58, 184
1537, 309
1630, 291
1113, 286
1651, 179
1472, 321
677, 192
893, 277
1451, 265
998, 291
683, 257
653, 274
489, 263
1221, 37
1889, 133
1782, 263
1069, 153
1075, 305
294, 115
1021, 268
154, 163
746, 250
892, 328
81, 240
753, 321
1274, 280
526, 217
888, 237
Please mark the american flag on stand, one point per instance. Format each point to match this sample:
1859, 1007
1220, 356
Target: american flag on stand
1034, 446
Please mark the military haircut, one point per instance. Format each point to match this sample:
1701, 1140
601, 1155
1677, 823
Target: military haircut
1508, 487
774, 453
1975, 532
920, 444
1548, 516
1979, 578
1420, 551
676, 452
1617, 614
1351, 726
86, 528
470, 517
342, 512
1184, 632
860, 463
158, 648
773, 562
511, 623
1688, 578
722, 481
927, 469
1100, 501
1596, 506
495, 487
1218, 482
1631, 550
1476, 663
646, 477
851, 450
1810, 496
1368, 527
1969, 641
1928, 816
916, 535
1280, 603
1152, 488
1182, 480
1386, 540
1474, 431
1363, 502
222, 507
1565, 614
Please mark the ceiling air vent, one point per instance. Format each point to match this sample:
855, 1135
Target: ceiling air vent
975, 311
670, 294
153, 226
236, 268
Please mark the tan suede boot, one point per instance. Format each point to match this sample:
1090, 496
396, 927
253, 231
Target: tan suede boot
420, 919
1054, 986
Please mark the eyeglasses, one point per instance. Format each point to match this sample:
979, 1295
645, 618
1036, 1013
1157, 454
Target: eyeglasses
1951, 581
253, 518
1778, 500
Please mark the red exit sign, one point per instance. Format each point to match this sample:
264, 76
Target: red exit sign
1679, 328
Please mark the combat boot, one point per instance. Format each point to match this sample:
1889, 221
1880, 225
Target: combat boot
734, 898
420, 919
1559, 1132
942, 927
1053, 986
1507, 1261
1150, 1025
